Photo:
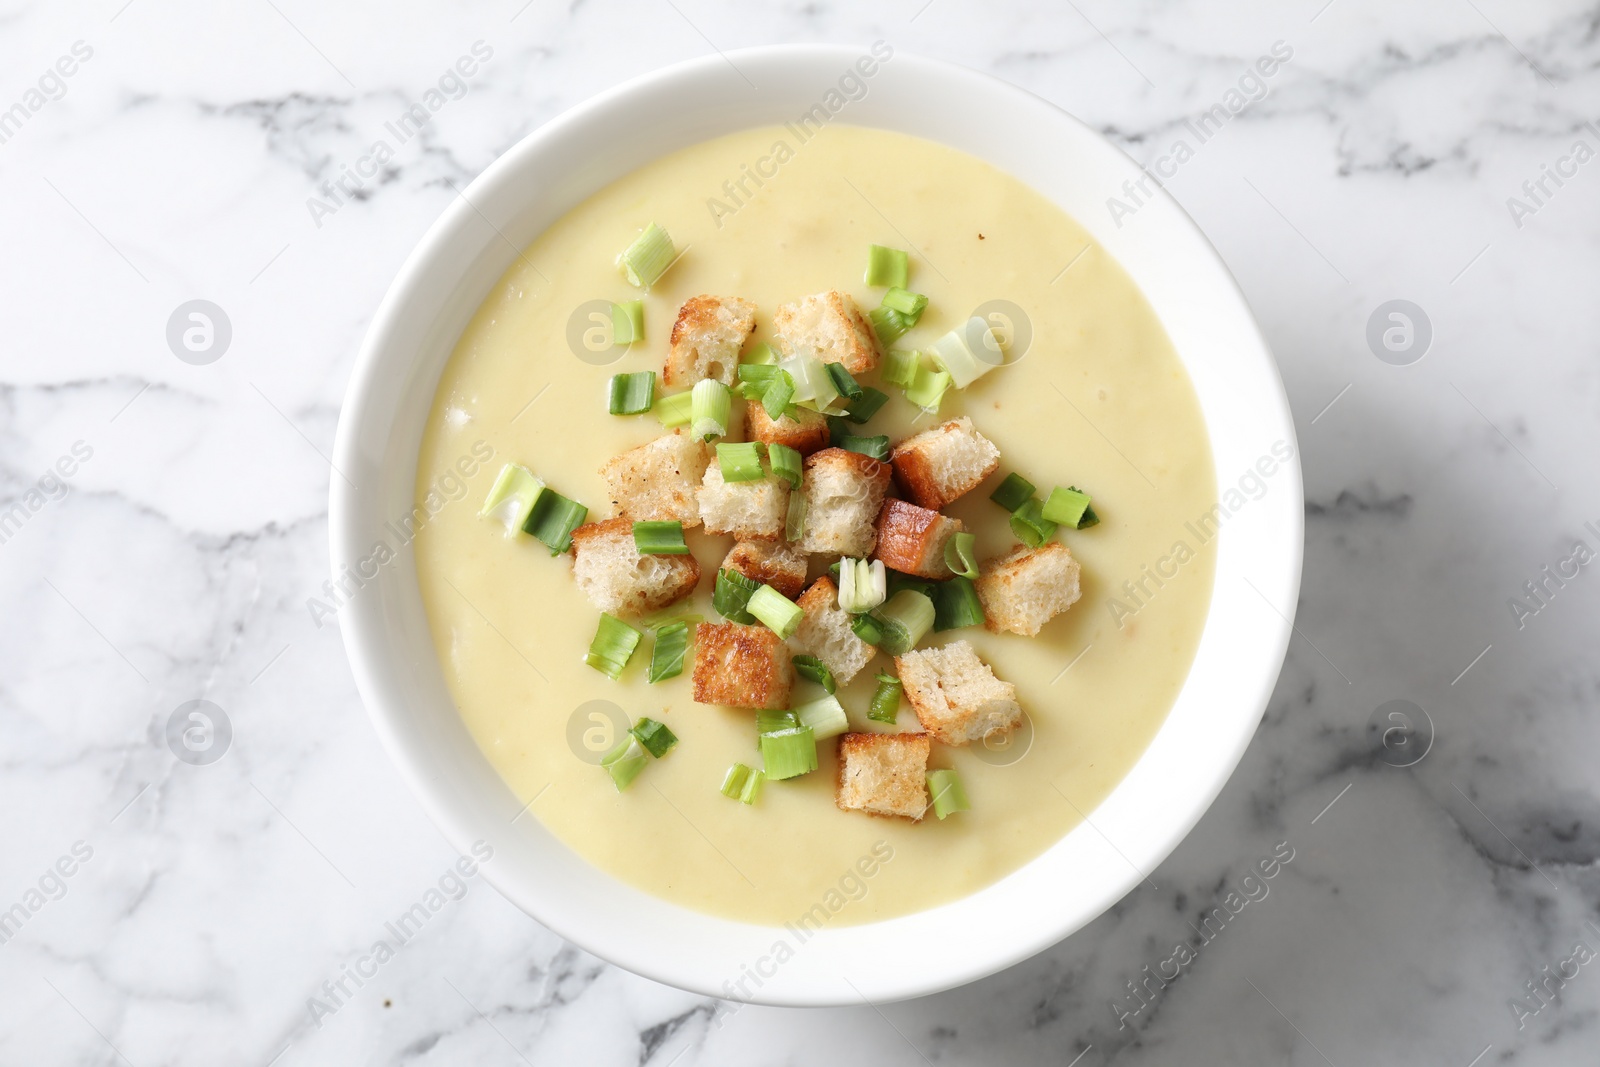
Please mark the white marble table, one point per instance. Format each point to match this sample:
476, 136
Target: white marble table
206, 905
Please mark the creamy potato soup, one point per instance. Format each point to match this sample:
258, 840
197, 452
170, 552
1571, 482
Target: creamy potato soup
1092, 396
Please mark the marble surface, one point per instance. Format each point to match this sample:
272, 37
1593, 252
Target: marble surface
169, 522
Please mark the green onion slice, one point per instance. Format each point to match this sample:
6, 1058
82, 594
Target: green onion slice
752, 787
645, 260
868, 629
668, 652
732, 596
887, 266
772, 722
824, 716
927, 388
512, 497
660, 538
777, 394
899, 580
632, 394
740, 461
758, 373
907, 303
777, 612
948, 795
794, 521
612, 647
817, 671
733, 782
885, 705
1069, 507
899, 365
906, 619
876, 447
1030, 525
958, 555
1013, 492
843, 381
675, 410
956, 604
625, 761
654, 736
710, 408
954, 352
789, 753
787, 464
889, 324
627, 322
864, 407
553, 519
863, 585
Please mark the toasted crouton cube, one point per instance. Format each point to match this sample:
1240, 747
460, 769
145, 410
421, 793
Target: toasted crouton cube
1027, 587
884, 774
830, 327
844, 491
618, 580
657, 481
956, 696
750, 511
936, 466
825, 633
806, 431
706, 340
775, 563
741, 667
912, 539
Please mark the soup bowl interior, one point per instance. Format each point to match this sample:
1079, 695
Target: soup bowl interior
1258, 550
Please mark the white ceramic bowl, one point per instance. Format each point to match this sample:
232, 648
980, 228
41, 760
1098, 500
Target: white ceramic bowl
1246, 632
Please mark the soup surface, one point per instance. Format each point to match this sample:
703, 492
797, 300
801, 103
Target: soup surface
1093, 396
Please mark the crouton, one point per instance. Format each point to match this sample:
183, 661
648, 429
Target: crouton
939, 465
844, 491
741, 667
706, 340
1027, 587
750, 511
830, 327
956, 696
618, 580
825, 633
774, 563
884, 774
805, 431
912, 539
657, 481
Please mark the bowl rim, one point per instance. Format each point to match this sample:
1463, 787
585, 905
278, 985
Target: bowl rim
364, 637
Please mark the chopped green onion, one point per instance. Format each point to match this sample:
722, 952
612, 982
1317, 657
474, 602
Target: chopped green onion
668, 652
906, 619
786, 464
887, 266
772, 722
953, 352
780, 614
1030, 525
789, 753
632, 394
863, 585
710, 408
868, 629
654, 736
824, 716
889, 324
794, 520
948, 795
553, 519
777, 395
669, 615
899, 580
660, 538
900, 365
843, 381
956, 604
740, 461
876, 447
732, 595
760, 352
645, 260
748, 391
625, 762
675, 410
513, 496
752, 787
885, 705
627, 323
817, 671
864, 407
825, 391
742, 783
612, 647
1069, 507
927, 388
758, 373
813, 386
907, 303
1012, 493
958, 555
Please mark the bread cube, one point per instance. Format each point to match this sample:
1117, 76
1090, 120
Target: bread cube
775, 563
741, 667
706, 340
825, 633
805, 431
844, 491
830, 327
912, 539
1027, 587
884, 774
658, 480
939, 465
956, 696
750, 511
618, 580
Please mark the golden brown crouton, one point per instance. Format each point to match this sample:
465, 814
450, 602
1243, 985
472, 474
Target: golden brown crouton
741, 667
884, 774
939, 465
825, 633
618, 580
706, 340
750, 511
1027, 587
956, 696
805, 432
912, 539
657, 480
843, 491
774, 563
830, 327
